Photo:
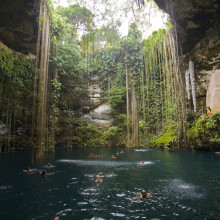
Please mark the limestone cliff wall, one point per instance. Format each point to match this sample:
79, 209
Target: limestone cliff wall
19, 24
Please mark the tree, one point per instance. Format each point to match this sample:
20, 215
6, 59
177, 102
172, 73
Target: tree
80, 17
134, 65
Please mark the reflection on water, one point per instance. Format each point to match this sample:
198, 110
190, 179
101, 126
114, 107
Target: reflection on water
143, 150
185, 185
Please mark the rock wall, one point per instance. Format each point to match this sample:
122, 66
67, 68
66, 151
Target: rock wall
213, 92
198, 30
96, 112
19, 25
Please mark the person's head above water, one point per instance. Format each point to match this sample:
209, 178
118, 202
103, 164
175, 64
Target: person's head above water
100, 175
43, 173
144, 193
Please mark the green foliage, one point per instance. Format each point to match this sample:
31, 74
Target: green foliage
108, 36
153, 40
49, 5
17, 71
81, 17
205, 128
58, 25
6, 61
117, 98
16, 87
132, 48
166, 139
108, 59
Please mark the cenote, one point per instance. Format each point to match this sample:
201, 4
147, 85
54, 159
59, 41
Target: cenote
185, 183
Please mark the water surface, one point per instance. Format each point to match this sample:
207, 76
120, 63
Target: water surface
186, 185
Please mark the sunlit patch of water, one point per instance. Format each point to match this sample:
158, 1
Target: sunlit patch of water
97, 163
183, 190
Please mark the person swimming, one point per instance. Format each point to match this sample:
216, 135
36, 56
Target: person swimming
113, 157
44, 173
142, 162
49, 165
29, 171
144, 195
100, 175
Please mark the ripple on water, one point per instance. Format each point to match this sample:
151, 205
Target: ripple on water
121, 195
5, 187
82, 203
64, 212
97, 218
118, 214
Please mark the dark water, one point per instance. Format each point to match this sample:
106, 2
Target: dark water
188, 183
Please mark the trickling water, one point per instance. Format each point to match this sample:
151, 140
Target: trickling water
187, 83
186, 185
192, 79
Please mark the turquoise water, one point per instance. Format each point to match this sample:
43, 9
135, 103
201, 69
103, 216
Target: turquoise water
187, 183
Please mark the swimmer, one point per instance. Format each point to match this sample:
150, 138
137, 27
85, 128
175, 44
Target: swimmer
48, 165
90, 155
44, 173
56, 218
117, 153
113, 157
144, 195
141, 163
29, 171
98, 155
122, 152
100, 175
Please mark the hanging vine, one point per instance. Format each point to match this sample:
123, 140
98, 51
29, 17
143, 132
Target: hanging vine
162, 110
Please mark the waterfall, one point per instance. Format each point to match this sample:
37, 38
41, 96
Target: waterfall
187, 83
192, 79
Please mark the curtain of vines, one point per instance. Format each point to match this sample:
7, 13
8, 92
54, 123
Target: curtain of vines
161, 85
16, 83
